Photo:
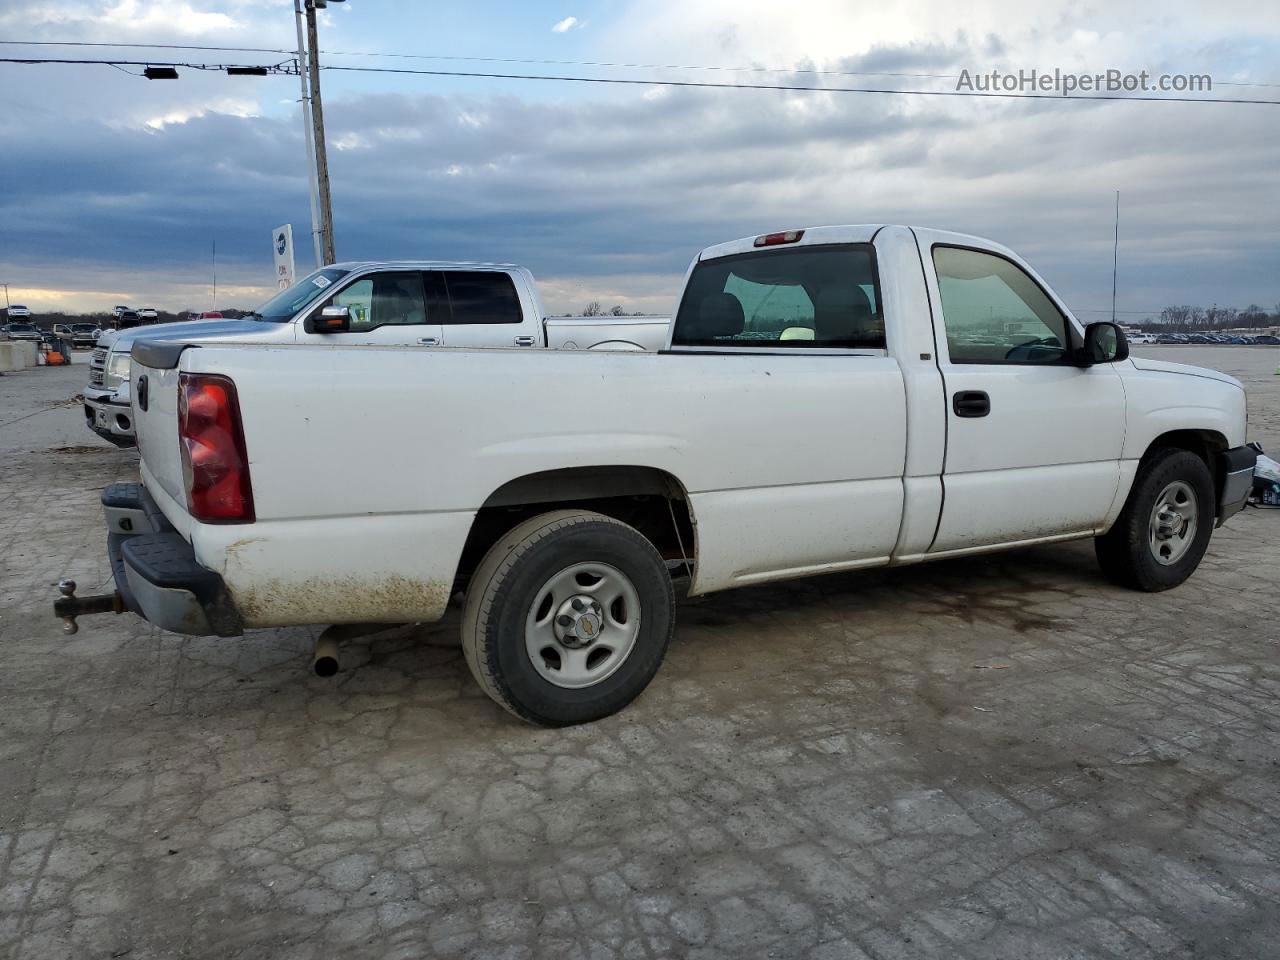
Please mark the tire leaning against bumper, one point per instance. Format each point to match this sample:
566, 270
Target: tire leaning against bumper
504, 587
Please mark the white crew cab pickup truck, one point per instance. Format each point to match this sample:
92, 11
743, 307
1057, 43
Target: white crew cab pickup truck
418, 304
828, 399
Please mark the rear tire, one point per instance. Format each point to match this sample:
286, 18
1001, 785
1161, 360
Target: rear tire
1163, 532
567, 618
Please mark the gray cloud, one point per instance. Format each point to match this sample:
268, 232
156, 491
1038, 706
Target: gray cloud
625, 186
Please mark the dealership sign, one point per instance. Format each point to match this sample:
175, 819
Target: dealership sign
282, 248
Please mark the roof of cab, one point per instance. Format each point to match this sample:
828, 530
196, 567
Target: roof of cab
422, 265
842, 233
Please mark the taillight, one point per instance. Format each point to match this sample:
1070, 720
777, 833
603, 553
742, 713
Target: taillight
215, 467
773, 239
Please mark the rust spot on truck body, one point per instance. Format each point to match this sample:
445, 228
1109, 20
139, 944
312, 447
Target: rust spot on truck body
351, 599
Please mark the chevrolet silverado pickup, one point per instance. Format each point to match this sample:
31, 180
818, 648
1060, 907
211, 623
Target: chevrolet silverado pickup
418, 304
827, 399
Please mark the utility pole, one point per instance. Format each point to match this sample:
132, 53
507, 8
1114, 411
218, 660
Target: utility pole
317, 122
306, 133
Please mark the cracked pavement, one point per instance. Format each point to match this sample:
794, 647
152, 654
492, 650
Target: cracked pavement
999, 757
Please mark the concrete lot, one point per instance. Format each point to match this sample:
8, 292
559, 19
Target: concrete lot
988, 758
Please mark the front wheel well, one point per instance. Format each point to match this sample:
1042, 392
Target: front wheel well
648, 499
1205, 444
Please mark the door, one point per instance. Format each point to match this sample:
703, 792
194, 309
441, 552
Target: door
481, 308
389, 307
1033, 441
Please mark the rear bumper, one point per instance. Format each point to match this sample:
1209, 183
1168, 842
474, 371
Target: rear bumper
1237, 480
156, 571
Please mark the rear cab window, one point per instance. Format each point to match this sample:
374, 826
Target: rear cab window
802, 298
474, 296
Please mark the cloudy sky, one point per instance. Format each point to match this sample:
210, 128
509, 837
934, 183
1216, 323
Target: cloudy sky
113, 188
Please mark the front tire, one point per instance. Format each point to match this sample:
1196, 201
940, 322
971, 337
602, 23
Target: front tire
567, 618
1163, 532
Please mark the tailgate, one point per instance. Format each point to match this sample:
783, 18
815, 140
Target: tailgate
154, 390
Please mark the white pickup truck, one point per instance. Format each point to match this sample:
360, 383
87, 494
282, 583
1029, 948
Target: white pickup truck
828, 399
406, 303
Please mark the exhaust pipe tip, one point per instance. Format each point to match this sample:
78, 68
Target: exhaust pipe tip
325, 659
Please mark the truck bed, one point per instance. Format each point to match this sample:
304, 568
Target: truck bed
337, 508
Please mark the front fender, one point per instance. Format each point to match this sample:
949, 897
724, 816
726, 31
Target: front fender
1160, 402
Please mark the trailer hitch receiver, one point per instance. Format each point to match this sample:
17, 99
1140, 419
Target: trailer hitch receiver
68, 606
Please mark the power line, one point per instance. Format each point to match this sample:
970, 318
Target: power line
810, 71
793, 88
278, 69
651, 66
140, 46
462, 59
689, 84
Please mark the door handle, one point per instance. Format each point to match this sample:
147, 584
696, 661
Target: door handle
524, 341
429, 341
971, 403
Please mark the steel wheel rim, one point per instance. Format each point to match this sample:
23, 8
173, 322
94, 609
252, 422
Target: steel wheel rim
582, 625
1174, 519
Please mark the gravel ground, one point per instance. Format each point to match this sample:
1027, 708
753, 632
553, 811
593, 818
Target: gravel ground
997, 757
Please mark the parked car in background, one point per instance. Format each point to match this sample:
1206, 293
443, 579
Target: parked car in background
1267, 340
421, 304
147, 314
208, 315
821, 404
21, 331
127, 318
117, 311
18, 312
85, 334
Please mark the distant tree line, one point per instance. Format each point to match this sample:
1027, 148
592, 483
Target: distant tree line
1189, 319
593, 309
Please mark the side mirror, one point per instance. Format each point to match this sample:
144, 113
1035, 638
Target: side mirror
331, 319
1104, 342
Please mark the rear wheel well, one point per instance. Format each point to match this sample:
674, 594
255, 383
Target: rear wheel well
652, 501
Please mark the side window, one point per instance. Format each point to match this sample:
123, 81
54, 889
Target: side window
805, 297
994, 312
480, 296
357, 298
384, 299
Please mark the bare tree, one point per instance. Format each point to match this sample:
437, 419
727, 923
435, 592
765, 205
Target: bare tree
1254, 316
592, 309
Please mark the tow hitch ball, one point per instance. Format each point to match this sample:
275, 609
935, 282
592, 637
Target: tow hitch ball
68, 606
